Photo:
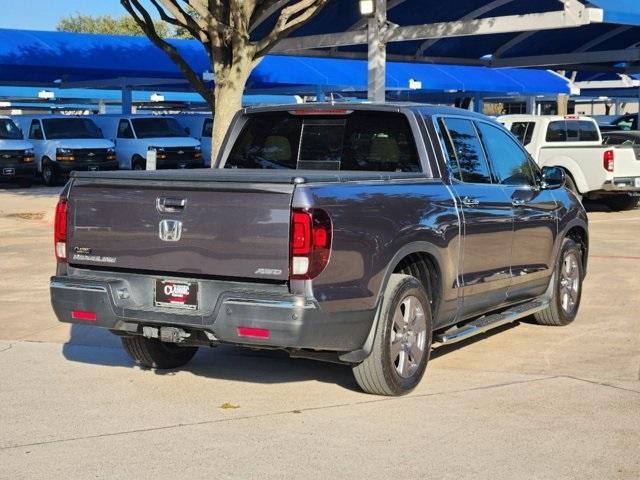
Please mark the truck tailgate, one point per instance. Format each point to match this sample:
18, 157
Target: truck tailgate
627, 161
222, 229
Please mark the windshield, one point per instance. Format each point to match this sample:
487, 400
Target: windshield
65, 128
157, 127
9, 130
360, 140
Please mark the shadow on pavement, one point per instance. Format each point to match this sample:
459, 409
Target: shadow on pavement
99, 347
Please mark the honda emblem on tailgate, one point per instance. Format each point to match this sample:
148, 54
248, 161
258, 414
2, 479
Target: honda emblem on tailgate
170, 230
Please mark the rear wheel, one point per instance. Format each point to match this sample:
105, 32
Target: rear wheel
403, 340
152, 353
621, 203
566, 287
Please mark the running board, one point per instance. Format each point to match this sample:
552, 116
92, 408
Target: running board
488, 322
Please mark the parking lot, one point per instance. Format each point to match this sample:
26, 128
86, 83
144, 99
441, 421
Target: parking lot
524, 401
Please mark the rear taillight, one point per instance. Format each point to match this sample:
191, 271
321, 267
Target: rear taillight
310, 243
60, 231
608, 160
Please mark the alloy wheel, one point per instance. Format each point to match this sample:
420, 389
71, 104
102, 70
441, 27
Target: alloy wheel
408, 337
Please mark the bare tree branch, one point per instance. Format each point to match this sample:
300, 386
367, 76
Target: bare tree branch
290, 18
142, 18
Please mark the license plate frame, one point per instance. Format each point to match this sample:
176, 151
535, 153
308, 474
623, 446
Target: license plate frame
93, 168
10, 172
178, 294
636, 182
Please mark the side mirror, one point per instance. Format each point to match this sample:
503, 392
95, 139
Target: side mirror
553, 178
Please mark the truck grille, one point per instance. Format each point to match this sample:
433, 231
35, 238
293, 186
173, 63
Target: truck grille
90, 155
177, 154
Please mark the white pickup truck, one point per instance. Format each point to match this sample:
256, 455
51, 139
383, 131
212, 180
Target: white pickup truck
608, 173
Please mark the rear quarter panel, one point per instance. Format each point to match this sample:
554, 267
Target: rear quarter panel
374, 226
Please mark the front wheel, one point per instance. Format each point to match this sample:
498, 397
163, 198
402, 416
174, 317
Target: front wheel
566, 287
49, 175
621, 203
403, 340
571, 185
152, 353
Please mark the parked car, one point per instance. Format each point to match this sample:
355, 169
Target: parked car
341, 232
16, 155
594, 171
63, 144
624, 122
199, 126
135, 135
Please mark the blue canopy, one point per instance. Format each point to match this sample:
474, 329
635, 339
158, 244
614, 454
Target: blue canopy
106, 61
617, 30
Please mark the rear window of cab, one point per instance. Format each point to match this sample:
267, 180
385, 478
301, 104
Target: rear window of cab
311, 140
572, 131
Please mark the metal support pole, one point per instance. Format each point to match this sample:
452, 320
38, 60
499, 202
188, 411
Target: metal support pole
478, 104
127, 99
638, 120
377, 55
531, 105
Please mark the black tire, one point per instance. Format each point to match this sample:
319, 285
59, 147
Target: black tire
138, 163
379, 374
152, 353
556, 314
621, 203
49, 176
571, 185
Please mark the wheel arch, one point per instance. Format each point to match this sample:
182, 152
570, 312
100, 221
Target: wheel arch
423, 258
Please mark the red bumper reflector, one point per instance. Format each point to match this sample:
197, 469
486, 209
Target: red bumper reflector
82, 315
253, 332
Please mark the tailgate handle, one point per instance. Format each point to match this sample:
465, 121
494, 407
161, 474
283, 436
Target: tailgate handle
170, 205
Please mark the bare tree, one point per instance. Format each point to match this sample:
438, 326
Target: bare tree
226, 29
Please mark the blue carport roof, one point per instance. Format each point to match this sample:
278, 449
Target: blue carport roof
619, 29
56, 58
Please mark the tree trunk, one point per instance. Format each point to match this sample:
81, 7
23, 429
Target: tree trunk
563, 104
228, 94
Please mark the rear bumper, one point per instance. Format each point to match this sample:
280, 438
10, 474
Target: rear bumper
124, 303
623, 184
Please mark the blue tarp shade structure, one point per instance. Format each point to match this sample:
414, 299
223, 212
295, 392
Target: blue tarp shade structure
619, 11
105, 61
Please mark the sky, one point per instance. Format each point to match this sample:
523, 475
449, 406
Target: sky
44, 14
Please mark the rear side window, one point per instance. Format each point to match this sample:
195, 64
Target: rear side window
572, 131
360, 140
523, 131
467, 162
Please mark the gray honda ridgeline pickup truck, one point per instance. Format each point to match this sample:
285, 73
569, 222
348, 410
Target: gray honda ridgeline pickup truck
349, 233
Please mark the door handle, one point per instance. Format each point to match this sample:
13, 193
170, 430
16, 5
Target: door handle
518, 202
470, 202
170, 205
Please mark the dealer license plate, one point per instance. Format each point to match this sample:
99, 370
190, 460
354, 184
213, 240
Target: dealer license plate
176, 294
8, 171
637, 182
